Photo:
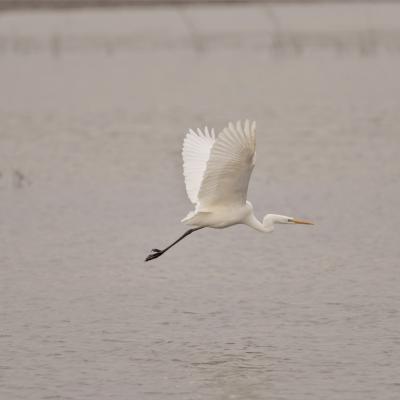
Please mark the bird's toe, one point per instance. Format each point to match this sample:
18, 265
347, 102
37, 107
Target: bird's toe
153, 255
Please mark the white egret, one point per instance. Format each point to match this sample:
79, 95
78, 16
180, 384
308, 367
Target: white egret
217, 172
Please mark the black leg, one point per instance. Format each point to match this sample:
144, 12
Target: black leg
157, 252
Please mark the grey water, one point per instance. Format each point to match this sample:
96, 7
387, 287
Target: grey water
94, 106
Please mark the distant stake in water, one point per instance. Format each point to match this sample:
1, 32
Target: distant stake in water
217, 172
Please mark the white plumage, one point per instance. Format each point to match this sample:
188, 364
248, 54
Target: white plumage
217, 173
196, 153
229, 167
217, 170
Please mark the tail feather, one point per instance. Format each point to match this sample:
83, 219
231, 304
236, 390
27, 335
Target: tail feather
195, 218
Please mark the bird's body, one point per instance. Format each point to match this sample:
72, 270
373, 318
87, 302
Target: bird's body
217, 172
220, 217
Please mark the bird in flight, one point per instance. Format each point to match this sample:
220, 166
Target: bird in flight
217, 171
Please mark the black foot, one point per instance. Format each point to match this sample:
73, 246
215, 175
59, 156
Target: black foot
155, 253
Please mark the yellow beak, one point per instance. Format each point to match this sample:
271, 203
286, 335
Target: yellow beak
300, 221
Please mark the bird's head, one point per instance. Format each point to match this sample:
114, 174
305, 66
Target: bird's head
271, 219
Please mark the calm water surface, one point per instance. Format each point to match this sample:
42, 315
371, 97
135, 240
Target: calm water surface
93, 109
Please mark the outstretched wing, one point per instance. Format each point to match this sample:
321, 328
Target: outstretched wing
196, 152
229, 167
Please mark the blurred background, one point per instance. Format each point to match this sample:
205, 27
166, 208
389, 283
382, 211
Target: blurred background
94, 105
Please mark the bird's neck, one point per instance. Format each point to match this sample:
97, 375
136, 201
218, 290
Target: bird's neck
266, 226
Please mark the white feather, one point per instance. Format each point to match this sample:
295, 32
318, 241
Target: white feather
229, 167
217, 171
196, 152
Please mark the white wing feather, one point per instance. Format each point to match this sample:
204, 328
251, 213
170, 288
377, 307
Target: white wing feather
229, 167
196, 152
